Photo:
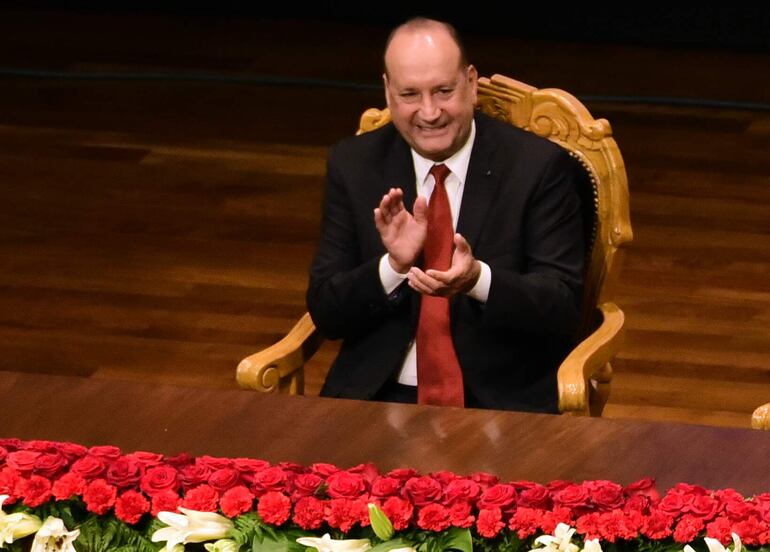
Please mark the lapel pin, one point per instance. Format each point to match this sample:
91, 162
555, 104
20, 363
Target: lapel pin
489, 173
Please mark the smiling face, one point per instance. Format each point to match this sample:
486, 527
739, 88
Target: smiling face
430, 92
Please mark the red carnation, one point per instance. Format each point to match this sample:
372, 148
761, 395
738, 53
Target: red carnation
99, 496
36, 490
465, 490
498, 496
720, 529
657, 525
236, 501
309, 513
422, 490
460, 514
617, 525
159, 478
688, 528
399, 512
125, 472
202, 498
107, 453
384, 486
274, 508
23, 461
525, 521
9, 480
553, 518
344, 513
165, 501
323, 470
269, 480
433, 517
588, 525
751, 531
89, 467
68, 486
489, 522
131, 506
344, 484
224, 479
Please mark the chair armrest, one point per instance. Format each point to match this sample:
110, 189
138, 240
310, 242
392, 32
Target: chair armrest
761, 417
279, 367
589, 362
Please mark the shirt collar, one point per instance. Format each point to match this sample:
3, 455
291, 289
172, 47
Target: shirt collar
457, 163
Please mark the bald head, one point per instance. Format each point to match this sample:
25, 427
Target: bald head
421, 32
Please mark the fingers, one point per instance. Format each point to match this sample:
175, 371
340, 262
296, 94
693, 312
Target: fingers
422, 283
420, 210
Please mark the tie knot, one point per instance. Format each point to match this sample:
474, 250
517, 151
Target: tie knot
440, 172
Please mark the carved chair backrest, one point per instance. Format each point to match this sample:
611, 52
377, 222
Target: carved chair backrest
560, 117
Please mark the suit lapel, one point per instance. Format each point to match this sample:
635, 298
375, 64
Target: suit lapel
399, 171
481, 184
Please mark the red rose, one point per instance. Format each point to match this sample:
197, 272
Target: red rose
444, 477
345, 485
146, 459
460, 514
498, 496
50, 464
214, 463
638, 503
124, 472
525, 521
291, 468
686, 488
69, 485
558, 485
309, 512
399, 512
537, 496
464, 490
193, 475
202, 498
36, 490
269, 480
605, 495
688, 528
323, 470
403, 474
99, 496
305, 484
344, 513
274, 508
236, 501
384, 486
224, 479
41, 445
672, 504
720, 529
485, 480
3, 455
106, 453
657, 525
489, 522
23, 461
368, 471
71, 451
89, 467
11, 444
247, 467
433, 517
165, 501
738, 511
704, 507
159, 478
179, 461
572, 496
131, 506
422, 490
645, 487
9, 480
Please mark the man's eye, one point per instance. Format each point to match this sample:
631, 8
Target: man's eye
409, 96
445, 91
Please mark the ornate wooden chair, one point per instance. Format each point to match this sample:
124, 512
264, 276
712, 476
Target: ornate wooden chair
584, 376
761, 417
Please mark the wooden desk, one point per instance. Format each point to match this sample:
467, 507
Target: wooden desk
234, 423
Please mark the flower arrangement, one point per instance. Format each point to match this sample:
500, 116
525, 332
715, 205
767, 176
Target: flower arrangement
64, 496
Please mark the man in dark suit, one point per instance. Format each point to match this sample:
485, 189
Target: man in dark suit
514, 279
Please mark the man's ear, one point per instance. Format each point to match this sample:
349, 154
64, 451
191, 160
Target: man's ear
473, 81
387, 89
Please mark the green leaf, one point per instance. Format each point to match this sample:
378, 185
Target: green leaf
381, 525
459, 539
390, 545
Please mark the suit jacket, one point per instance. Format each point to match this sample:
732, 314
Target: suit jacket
520, 213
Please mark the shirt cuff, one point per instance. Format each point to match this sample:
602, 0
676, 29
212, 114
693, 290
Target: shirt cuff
391, 279
480, 291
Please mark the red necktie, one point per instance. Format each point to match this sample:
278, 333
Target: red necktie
439, 378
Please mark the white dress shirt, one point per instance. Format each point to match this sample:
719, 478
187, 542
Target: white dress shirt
455, 185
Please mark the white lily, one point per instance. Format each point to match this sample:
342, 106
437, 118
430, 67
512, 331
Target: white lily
190, 526
560, 541
222, 545
592, 545
715, 546
16, 526
54, 537
327, 544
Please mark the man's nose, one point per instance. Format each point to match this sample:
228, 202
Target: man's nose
429, 109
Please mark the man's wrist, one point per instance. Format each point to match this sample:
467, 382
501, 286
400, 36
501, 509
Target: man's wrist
398, 267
